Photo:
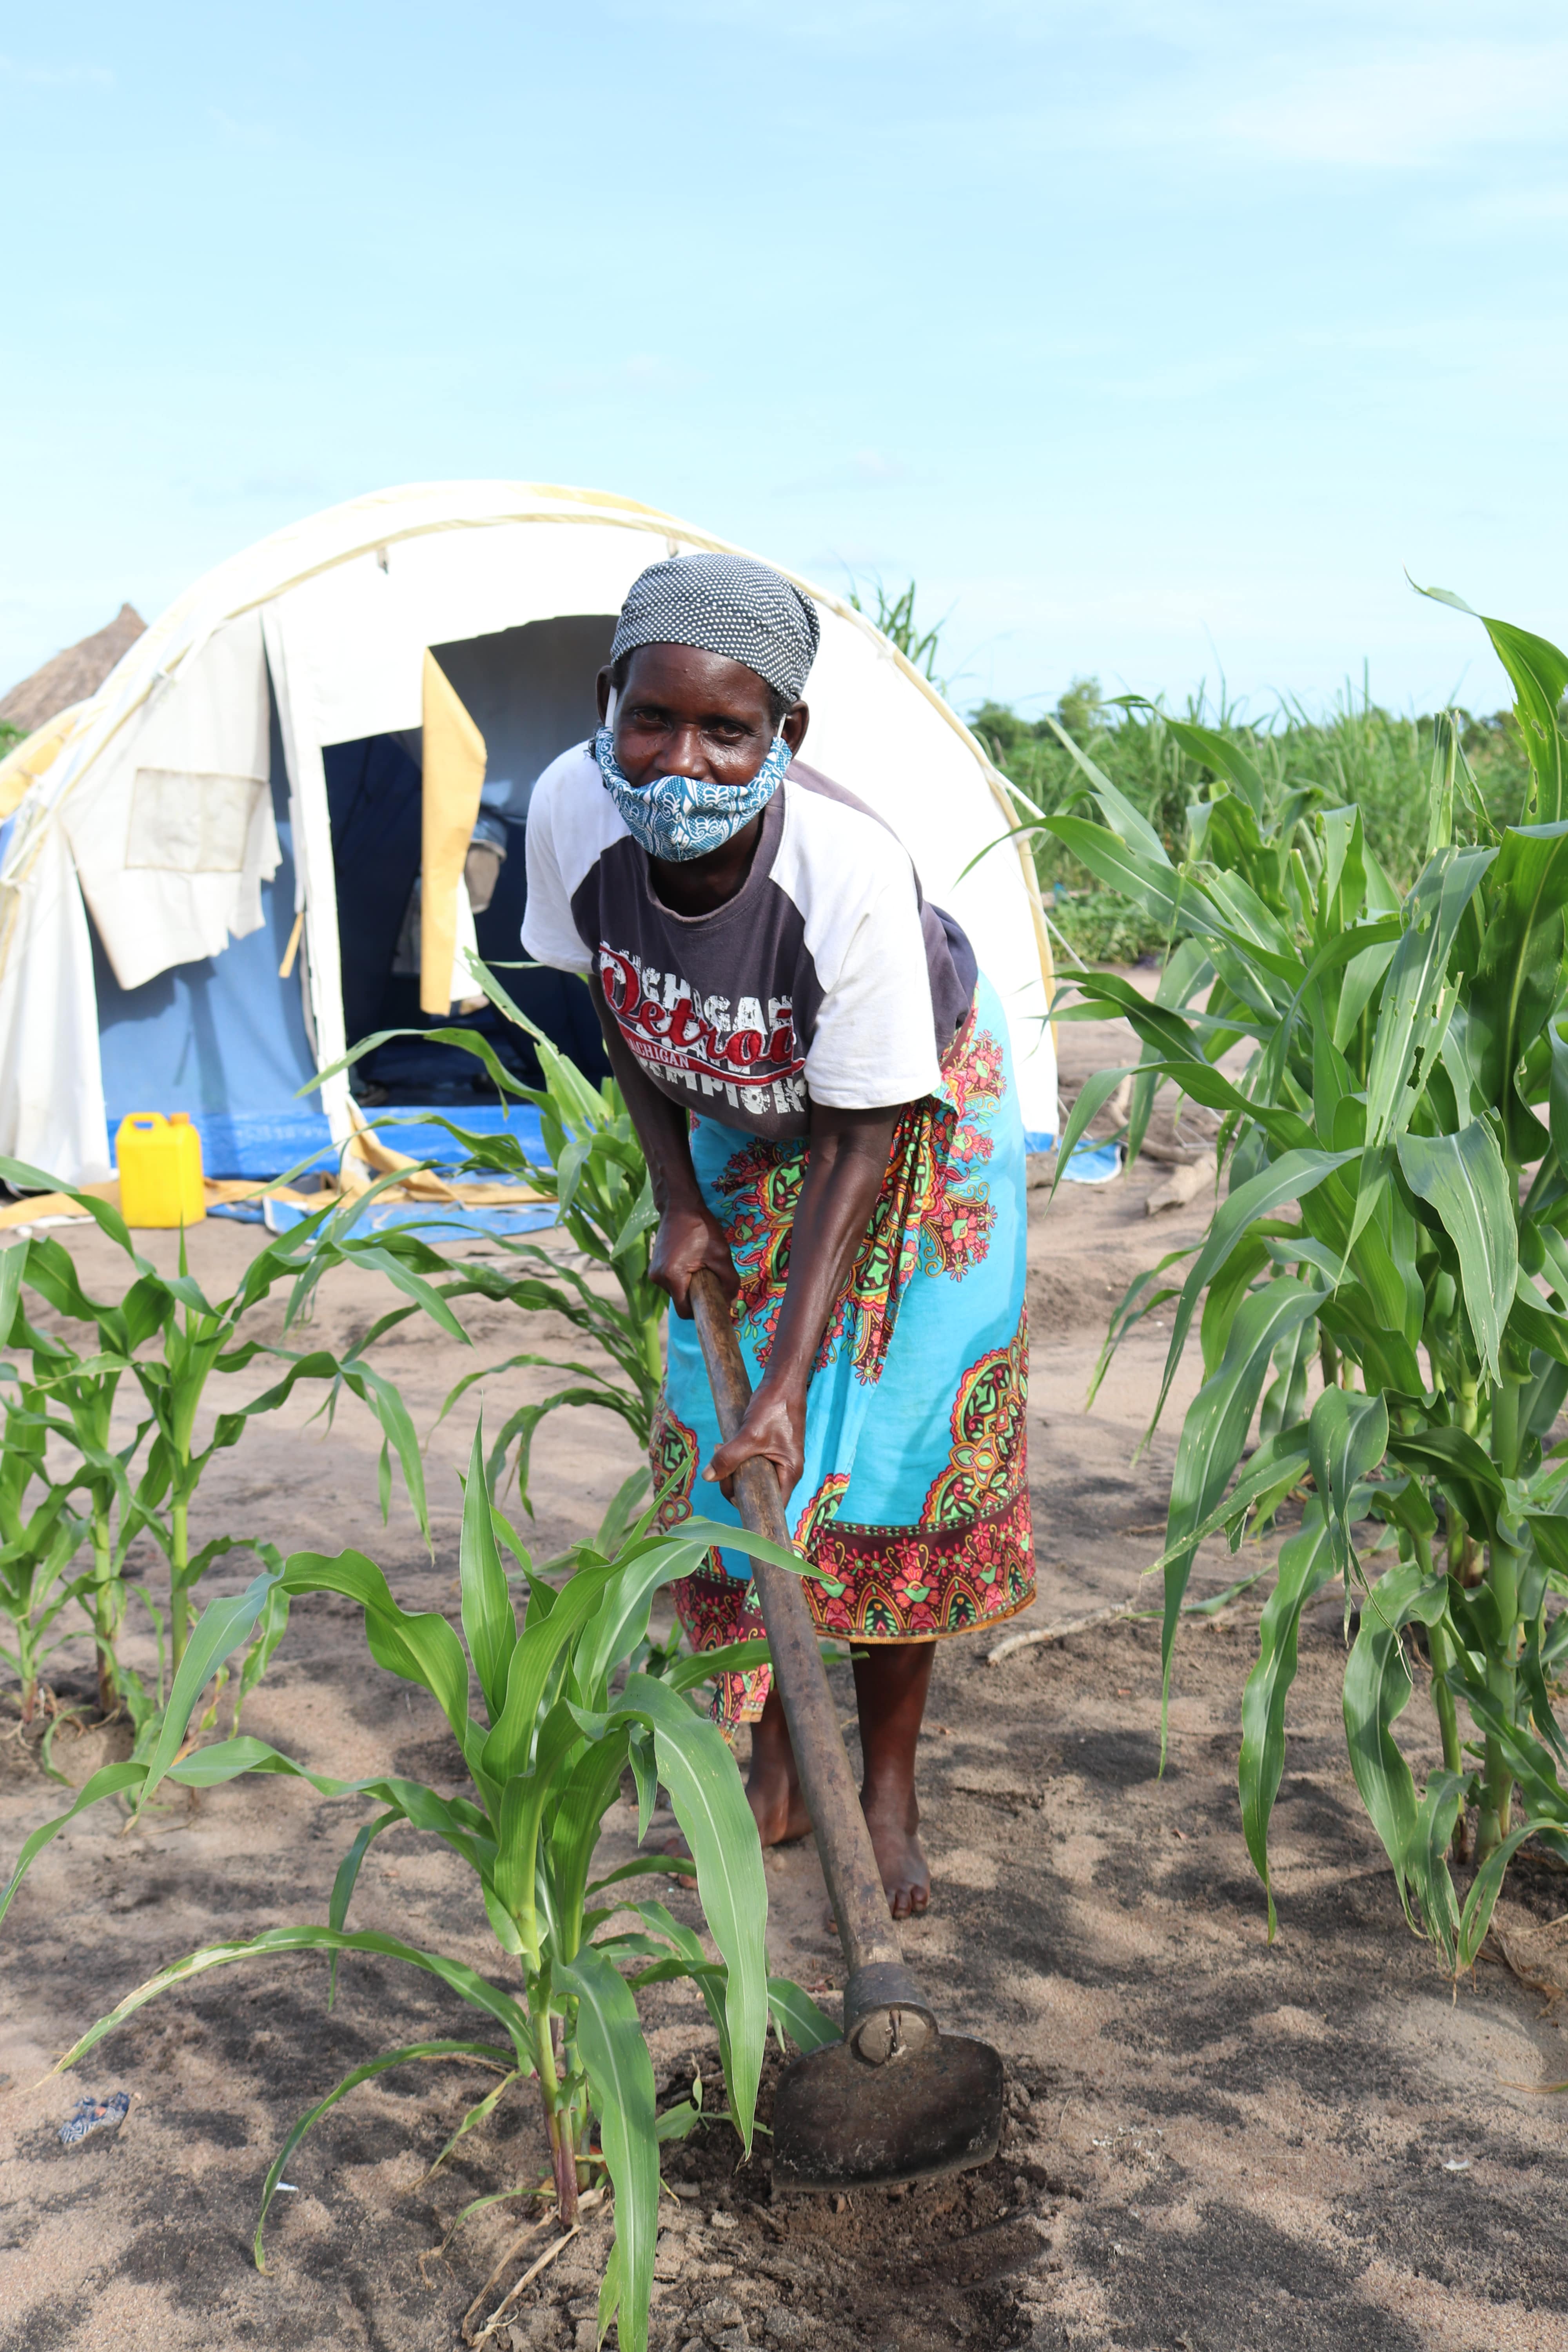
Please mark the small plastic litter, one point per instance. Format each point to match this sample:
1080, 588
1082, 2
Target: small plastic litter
1094, 1163
1457, 2164
94, 2114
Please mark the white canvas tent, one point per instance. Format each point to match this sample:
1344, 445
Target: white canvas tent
186, 808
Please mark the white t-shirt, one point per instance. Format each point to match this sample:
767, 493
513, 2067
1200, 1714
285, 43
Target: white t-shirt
825, 979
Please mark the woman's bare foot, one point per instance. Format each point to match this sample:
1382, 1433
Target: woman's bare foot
900, 1857
890, 1686
773, 1784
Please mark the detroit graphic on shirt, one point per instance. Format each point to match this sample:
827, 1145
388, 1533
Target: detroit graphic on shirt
827, 978
707, 1045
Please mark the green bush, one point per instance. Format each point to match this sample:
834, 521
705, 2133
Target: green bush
1361, 755
1102, 927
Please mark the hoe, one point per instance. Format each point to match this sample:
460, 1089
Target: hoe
896, 2100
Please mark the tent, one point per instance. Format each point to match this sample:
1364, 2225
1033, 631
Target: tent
206, 868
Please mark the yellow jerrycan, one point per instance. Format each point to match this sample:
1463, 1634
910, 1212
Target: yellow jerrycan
158, 1161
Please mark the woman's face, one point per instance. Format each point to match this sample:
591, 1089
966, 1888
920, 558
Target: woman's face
684, 712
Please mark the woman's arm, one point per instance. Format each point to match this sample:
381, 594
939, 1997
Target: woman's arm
849, 1161
689, 1235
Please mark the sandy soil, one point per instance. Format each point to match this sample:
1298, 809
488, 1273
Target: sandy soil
1212, 2143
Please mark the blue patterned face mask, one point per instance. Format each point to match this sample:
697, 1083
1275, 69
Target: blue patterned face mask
680, 817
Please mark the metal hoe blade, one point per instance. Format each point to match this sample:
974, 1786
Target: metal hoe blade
840, 2123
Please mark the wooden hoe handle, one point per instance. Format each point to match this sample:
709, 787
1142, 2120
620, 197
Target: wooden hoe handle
884, 2012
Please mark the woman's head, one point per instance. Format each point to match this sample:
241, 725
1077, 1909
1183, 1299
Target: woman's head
710, 657
683, 712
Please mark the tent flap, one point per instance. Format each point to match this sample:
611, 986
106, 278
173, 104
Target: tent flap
51, 1086
172, 828
453, 762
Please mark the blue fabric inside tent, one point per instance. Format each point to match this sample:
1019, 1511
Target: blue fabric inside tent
373, 804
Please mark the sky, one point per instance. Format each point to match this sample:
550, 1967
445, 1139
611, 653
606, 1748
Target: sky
1156, 344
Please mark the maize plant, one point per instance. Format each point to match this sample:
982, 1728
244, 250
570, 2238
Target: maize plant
562, 1717
168, 1339
595, 1173
40, 1536
76, 1404
1396, 1218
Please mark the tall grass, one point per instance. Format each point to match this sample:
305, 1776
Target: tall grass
895, 616
1359, 755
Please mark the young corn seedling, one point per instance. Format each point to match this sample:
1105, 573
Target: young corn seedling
40, 1536
76, 1404
560, 1718
1397, 1214
595, 1172
164, 1336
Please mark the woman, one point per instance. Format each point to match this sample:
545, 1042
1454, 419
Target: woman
820, 1080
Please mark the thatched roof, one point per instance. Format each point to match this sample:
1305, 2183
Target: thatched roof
72, 675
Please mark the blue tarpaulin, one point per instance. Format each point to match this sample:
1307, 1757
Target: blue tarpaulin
223, 1039
1094, 1163
436, 1220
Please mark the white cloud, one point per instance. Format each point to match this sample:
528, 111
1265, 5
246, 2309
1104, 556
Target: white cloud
43, 76
1191, 379
1380, 106
1403, 104
282, 484
841, 23
1499, 208
1387, 84
254, 135
641, 376
300, 488
866, 469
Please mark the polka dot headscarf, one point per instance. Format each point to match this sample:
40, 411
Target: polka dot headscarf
725, 604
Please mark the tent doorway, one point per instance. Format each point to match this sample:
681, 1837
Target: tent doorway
530, 691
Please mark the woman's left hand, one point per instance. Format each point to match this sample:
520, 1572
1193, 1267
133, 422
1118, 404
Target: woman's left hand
774, 1431
844, 1175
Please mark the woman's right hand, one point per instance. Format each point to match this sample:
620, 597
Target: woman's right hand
688, 1239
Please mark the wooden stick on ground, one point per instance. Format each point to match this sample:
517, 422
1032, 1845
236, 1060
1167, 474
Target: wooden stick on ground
1057, 1633
545, 2259
531, 2231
